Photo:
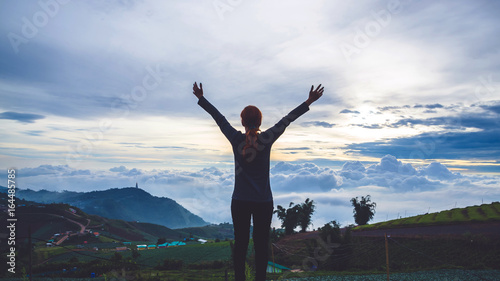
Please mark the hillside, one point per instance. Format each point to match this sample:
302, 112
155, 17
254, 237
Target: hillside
129, 204
472, 214
220, 231
47, 219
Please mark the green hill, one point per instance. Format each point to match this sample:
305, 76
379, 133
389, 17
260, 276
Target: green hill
482, 213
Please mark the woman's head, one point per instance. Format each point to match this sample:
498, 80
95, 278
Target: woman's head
251, 118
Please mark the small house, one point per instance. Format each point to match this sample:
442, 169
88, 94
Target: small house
141, 247
150, 247
275, 268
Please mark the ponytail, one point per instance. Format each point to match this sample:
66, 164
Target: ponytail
251, 118
250, 139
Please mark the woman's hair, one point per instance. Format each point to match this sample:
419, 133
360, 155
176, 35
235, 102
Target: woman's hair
251, 118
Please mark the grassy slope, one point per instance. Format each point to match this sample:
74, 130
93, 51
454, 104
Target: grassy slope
482, 213
54, 218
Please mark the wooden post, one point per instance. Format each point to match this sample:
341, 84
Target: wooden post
386, 256
30, 247
272, 252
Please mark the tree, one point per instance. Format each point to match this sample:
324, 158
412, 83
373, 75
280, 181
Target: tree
363, 209
330, 232
135, 254
296, 215
306, 210
117, 257
289, 217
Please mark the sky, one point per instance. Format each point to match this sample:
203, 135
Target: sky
98, 94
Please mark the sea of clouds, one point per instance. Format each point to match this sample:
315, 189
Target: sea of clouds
399, 189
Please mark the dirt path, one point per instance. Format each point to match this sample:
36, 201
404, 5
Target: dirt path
82, 230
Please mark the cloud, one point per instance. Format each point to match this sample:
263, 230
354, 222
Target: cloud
21, 117
289, 177
318, 124
393, 108
389, 163
438, 171
370, 126
353, 170
428, 106
349, 111
454, 145
35, 133
120, 169
493, 106
464, 133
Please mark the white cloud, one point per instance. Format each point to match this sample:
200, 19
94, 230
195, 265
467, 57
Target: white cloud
438, 171
288, 177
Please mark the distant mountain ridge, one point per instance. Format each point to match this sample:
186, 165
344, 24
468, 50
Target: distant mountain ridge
129, 204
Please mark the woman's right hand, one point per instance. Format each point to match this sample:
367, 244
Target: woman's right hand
198, 92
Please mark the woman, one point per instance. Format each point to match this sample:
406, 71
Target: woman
252, 195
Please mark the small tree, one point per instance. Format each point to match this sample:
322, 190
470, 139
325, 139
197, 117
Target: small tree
363, 209
306, 210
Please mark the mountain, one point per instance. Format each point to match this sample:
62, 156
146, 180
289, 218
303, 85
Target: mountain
129, 204
46, 219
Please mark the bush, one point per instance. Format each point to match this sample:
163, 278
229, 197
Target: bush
171, 264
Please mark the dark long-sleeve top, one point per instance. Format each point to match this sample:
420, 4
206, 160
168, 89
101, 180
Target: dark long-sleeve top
252, 167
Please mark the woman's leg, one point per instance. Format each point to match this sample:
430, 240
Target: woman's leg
240, 211
262, 217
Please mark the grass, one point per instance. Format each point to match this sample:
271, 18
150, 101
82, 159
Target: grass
189, 254
482, 213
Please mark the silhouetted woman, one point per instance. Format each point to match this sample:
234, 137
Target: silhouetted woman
252, 195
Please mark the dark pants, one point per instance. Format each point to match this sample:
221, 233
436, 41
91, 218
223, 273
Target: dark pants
262, 213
